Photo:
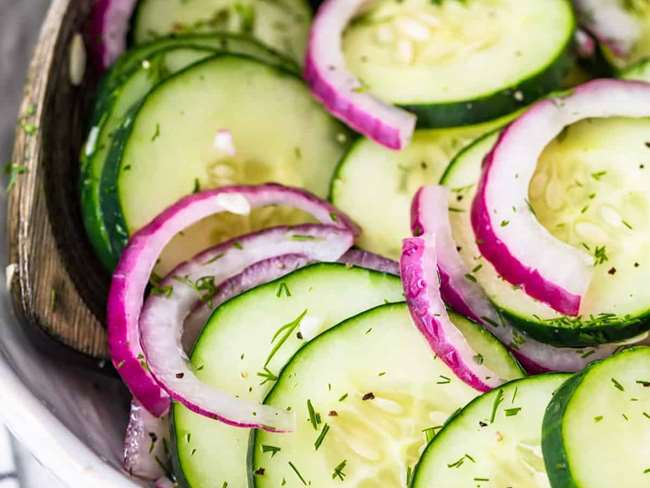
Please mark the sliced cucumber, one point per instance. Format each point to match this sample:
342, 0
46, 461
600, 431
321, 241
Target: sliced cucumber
640, 71
156, 68
375, 185
495, 441
461, 62
639, 12
113, 105
589, 190
596, 432
166, 149
280, 24
239, 338
367, 394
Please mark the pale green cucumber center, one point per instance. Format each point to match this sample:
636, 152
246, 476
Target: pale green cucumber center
495, 441
375, 185
487, 45
379, 389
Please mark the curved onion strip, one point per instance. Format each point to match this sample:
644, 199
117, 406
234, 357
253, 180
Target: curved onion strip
163, 315
269, 270
339, 90
611, 23
507, 232
255, 275
108, 25
430, 215
144, 443
419, 272
370, 260
132, 273
165, 482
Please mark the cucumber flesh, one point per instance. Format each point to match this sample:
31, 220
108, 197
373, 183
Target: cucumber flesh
154, 69
375, 383
639, 71
236, 342
281, 24
375, 185
456, 63
494, 441
589, 190
595, 432
166, 149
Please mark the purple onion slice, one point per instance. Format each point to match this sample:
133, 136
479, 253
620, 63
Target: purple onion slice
339, 90
137, 262
430, 216
109, 25
419, 271
507, 232
144, 444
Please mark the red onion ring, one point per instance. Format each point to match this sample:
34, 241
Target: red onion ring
419, 270
430, 216
132, 274
144, 444
507, 232
339, 90
109, 25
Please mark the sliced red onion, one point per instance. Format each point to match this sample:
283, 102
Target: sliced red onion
145, 443
339, 90
585, 44
165, 482
163, 315
132, 273
255, 275
109, 25
370, 260
430, 216
611, 23
419, 271
507, 232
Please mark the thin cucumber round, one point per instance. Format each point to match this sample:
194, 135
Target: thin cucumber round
367, 394
639, 71
595, 431
281, 24
375, 185
589, 190
166, 149
114, 103
495, 441
456, 63
156, 68
239, 338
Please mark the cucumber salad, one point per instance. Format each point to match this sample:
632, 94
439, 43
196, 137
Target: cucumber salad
376, 243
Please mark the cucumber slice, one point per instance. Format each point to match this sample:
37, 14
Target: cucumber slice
236, 343
156, 68
495, 441
595, 432
367, 394
383, 210
640, 71
166, 149
113, 105
639, 12
590, 190
281, 24
461, 62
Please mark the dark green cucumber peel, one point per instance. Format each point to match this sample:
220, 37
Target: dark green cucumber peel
575, 332
497, 104
552, 446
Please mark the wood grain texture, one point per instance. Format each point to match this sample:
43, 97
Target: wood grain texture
59, 286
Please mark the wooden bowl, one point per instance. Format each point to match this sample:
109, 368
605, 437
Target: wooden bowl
58, 287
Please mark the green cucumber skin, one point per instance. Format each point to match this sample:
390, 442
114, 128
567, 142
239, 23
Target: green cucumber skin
580, 337
552, 445
494, 105
110, 203
179, 475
